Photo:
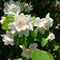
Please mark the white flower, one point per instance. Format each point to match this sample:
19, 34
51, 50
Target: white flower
51, 36
21, 25
41, 28
40, 25
28, 52
8, 38
44, 23
48, 22
23, 22
38, 21
2, 19
12, 8
28, 7
33, 47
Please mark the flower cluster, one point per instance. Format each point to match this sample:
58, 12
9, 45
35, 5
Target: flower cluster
23, 25
44, 23
28, 52
8, 38
17, 7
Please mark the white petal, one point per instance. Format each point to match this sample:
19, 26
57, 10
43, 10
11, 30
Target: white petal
51, 36
33, 47
2, 20
48, 15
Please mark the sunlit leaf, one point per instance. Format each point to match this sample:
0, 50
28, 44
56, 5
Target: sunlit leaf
41, 55
9, 19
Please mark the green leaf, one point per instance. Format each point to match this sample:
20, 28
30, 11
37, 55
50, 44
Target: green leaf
41, 55
39, 36
9, 19
44, 42
30, 38
34, 33
46, 34
56, 47
16, 40
53, 45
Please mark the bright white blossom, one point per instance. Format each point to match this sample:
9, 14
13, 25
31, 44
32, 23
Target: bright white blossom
12, 8
8, 38
28, 52
44, 23
17, 7
21, 23
48, 22
51, 36
40, 25
38, 22
41, 28
2, 19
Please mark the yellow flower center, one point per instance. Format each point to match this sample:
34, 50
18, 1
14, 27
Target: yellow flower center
28, 52
38, 22
10, 35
